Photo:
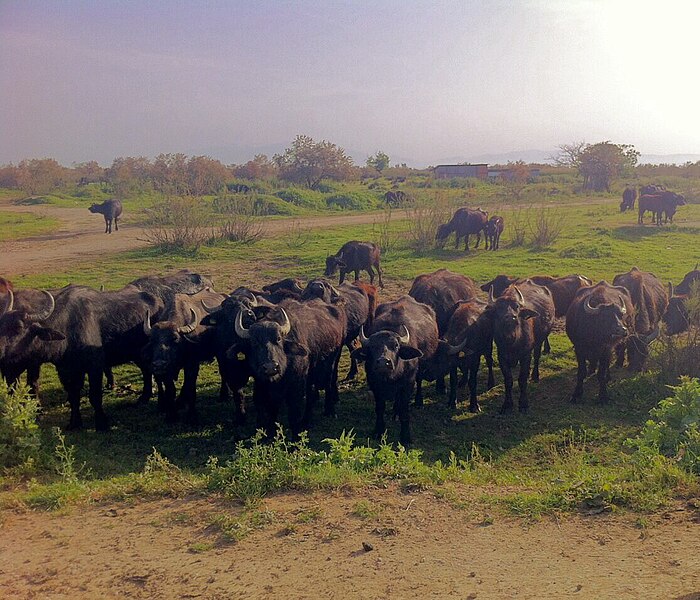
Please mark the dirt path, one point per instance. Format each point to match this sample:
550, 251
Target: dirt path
312, 547
80, 237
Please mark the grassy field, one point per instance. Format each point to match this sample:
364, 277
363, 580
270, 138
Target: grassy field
558, 457
15, 226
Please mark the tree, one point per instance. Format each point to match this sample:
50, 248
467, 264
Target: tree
379, 161
206, 175
40, 175
599, 163
308, 162
259, 168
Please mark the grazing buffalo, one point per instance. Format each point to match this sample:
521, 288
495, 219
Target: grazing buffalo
238, 188
293, 352
522, 318
494, 229
179, 343
355, 256
463, 223
669, 202
660, 203
404, 334
650, 301
357, 299
111, 210
628, 198
652, 188
676, 318
395, 197
599, 320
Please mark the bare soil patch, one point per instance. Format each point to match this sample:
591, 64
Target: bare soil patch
316, 546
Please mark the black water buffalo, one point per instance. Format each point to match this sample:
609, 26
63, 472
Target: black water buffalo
285, 288
628, 198
82, 332
522, 318
599, 319
676, 318
403, 335
395, 197
111, 210
355, 256
652, 188
463, 223
650, 301
357, 299
494, 229
177, 342
669, 203
293, 350
660, 203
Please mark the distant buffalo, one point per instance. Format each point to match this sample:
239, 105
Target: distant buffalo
355, 256
112, 210
464, 222
628, 198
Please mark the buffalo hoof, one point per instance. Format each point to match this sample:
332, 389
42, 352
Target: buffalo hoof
74, 425
506, 408
522, 408
474, 407
101, 423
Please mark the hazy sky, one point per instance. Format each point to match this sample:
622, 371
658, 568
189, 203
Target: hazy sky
424, 81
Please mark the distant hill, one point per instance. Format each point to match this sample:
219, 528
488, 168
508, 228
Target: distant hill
669, 159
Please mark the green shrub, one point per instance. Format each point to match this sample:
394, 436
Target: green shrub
300, 197
674, 429
352, 201
19, 432
264, 205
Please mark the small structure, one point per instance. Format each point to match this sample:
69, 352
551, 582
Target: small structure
479, 171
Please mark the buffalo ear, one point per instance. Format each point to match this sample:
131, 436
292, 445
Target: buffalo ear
409, 353
295, 348
359, 354
49, 335
526, 313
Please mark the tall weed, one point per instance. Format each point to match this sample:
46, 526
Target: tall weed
19, 433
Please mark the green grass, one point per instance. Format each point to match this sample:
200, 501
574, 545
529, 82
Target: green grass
18, 225
558, 457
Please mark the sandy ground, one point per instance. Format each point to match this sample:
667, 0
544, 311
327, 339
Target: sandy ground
80, 236
315, 546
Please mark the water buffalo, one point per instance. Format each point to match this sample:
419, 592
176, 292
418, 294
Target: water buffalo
403, 334
355, 256
111, 210
463, 223
494, 229
650, 301
628, 198
522, 318
599, 319
293, 353
676, 317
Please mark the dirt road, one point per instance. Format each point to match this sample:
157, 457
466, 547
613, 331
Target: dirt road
80, 237
312, 547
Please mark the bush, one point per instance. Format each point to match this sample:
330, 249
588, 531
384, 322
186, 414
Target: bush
546, 225
674, 429
304, 198
178, 222
271, 205
352, 201
19, 432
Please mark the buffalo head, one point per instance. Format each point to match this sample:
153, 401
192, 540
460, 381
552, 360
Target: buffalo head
382, 351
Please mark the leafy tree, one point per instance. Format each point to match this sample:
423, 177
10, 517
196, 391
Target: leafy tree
128, 175
40, 175
169, 173
308, 162
599, 163
206, 175
261, 167
379, 161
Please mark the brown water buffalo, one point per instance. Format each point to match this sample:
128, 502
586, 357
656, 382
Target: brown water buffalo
522, 318
111, 210
676, 318
494, 229
628, 198
355, 256
464, 223
650, 301
599, 319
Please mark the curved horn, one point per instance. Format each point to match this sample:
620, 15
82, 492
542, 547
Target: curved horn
404, 339
285, 327
492, 300
10, 302
191, 325
147, 323
241, 331
453, 350
670, 289
622, 305
251, 296
363, 338
208, 309
521, 298
591, 310
47, 313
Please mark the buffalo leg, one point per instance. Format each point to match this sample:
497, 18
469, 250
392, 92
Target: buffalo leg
357, 274
370, 272
147, 387
488, 357
473, 372
402, 409
116, 223
603, 369
73, 385
536, 363
33, 373
419, 390
508, 382
342, 276
331, 386
295, 414
547, 348
379, 272
353, 363
189, 392
95, 396
169, 401
523, 403
452, 399
620, 354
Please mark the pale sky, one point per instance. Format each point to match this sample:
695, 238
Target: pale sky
424, 81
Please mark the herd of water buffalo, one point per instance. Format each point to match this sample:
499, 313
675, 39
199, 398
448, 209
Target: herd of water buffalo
288, 336
653, 198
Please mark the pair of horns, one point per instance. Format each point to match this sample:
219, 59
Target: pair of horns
594, 310
188, 327
39, 316
403, 338
243, 332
